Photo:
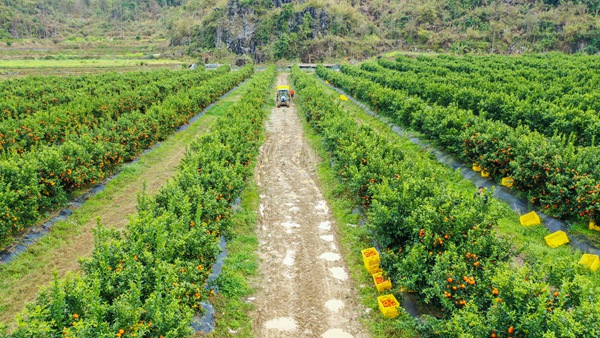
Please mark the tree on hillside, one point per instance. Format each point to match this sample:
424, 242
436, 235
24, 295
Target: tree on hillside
305, 36
282, 47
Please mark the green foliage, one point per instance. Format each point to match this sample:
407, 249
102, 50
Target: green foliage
553, 172
282, 47
149, 282
438, 242
62, 134
340, 28
231, 284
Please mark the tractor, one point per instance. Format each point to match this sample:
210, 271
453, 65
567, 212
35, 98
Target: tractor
283, 96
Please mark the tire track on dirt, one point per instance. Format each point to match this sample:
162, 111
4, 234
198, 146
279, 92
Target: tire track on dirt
304, 289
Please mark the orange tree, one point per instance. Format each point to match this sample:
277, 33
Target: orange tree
150, 281
555, 174
441, 243
25, 97
89, 148
545, 95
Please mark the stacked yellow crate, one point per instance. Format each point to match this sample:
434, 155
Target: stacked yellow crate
388, 305
371, 259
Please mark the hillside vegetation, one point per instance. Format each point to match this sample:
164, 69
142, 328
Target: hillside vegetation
59, 19
315, 29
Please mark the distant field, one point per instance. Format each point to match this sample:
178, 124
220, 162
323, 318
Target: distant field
99, 63
16, 68
72, 57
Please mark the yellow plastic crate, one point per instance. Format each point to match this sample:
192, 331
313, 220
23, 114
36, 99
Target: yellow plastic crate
530, 219
485, 173
590, 261
593, 226
557, 239
373, 269
371, 259
476, 167
508, 181
388, 305
381, 283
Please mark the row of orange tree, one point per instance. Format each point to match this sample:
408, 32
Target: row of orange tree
150, 280
441, 243
40, 180
565, 81
562, 178
546, 117
92, 108
25, 96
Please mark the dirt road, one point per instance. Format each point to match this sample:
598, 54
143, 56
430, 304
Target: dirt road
304, 289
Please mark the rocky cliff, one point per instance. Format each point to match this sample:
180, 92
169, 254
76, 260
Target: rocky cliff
236, 30
243, 30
